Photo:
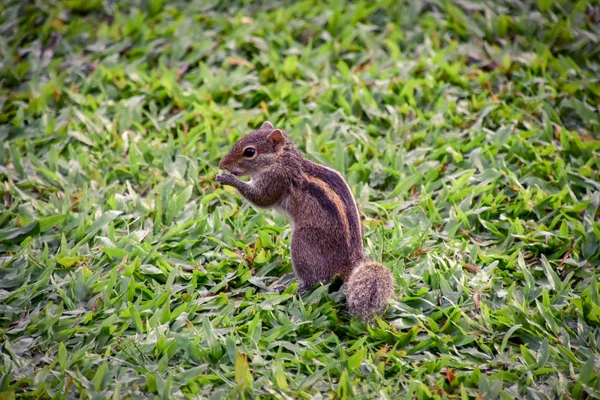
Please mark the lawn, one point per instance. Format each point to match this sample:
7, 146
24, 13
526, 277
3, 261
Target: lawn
469, 132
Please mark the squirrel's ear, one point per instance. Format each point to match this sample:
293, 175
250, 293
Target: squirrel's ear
267, 125
276, 137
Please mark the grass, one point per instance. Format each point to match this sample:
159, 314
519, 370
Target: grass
469, 132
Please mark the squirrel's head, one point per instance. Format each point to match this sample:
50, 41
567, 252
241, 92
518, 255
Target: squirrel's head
255, 152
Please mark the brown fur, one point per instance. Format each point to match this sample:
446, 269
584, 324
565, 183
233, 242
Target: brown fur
326, 229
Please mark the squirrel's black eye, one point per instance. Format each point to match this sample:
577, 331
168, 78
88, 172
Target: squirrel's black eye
249, 152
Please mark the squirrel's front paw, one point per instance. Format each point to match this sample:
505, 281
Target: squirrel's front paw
226, 179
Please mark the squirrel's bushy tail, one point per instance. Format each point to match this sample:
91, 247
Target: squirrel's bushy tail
368, 289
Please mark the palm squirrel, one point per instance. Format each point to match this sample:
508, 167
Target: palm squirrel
326, 228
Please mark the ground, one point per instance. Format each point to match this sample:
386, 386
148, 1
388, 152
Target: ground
468, 131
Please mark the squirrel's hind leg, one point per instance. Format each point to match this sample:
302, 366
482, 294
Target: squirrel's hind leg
313, 256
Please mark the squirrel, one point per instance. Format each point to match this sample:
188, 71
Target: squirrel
326, 229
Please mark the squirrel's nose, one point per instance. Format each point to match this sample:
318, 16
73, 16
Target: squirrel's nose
224, 164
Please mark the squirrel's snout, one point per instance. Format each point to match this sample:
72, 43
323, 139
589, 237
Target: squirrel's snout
223, 164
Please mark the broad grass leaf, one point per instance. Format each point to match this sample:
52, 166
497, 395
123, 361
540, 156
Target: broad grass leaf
15, 235
280, 378
543, 353
62, 356
507, 336
406, 338
357, 358
102, 222
231, 349
290, 66
148, 269
97, 381
243, 377
174, 207
115, 251
404, 185
50, 222
255, 328
68, 261
135, 317
344, 389
16, 160
587, 370
553, 278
